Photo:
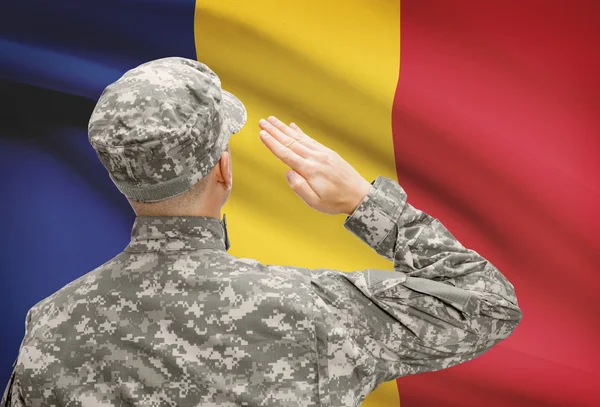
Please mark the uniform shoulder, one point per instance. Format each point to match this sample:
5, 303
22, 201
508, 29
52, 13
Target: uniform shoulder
72, 290
275, 269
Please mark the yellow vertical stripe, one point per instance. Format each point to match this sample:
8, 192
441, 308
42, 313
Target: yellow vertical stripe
331, 67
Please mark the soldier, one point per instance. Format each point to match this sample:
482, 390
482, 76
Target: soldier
175, 320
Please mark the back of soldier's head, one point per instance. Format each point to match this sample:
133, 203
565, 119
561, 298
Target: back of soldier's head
162, 127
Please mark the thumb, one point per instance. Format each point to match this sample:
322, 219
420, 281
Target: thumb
300, 186
289, 176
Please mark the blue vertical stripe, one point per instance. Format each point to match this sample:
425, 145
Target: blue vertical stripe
62, 215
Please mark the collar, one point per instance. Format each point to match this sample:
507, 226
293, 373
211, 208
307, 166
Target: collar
175, 233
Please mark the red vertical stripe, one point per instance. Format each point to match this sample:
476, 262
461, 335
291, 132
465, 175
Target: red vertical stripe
496, 133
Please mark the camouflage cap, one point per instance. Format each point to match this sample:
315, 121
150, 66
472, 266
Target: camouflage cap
163, 126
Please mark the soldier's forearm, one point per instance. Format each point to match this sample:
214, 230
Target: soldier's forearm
418, 244
432, 261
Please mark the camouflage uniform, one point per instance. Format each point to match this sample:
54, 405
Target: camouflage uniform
174, 320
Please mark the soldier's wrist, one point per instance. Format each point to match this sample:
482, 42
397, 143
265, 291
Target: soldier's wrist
359, 196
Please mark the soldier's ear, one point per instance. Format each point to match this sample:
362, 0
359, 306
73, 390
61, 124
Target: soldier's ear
224, 170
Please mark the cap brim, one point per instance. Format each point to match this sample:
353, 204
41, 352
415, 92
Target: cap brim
234, 112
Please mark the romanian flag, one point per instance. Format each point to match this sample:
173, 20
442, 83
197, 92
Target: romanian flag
487, 113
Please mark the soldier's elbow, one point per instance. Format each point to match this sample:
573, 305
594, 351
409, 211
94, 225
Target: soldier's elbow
499, 329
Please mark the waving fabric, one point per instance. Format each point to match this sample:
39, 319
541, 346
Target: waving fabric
485, 112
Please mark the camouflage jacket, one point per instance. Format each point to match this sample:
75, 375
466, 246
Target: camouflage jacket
174, 320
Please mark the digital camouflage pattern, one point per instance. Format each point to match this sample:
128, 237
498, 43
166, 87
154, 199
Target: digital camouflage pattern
162, 126
174, 320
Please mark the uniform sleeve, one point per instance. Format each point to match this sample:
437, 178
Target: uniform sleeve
12, 396
443, 304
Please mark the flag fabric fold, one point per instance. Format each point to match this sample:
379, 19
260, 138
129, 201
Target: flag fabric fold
486, 114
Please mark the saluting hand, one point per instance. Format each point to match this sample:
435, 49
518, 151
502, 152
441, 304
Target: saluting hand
319, 175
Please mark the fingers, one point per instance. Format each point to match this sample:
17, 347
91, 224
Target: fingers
302, 137
286, 155
310, 142
285, 139
295, 127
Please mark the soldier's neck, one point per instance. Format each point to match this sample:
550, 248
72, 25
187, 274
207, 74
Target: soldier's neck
198, 210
